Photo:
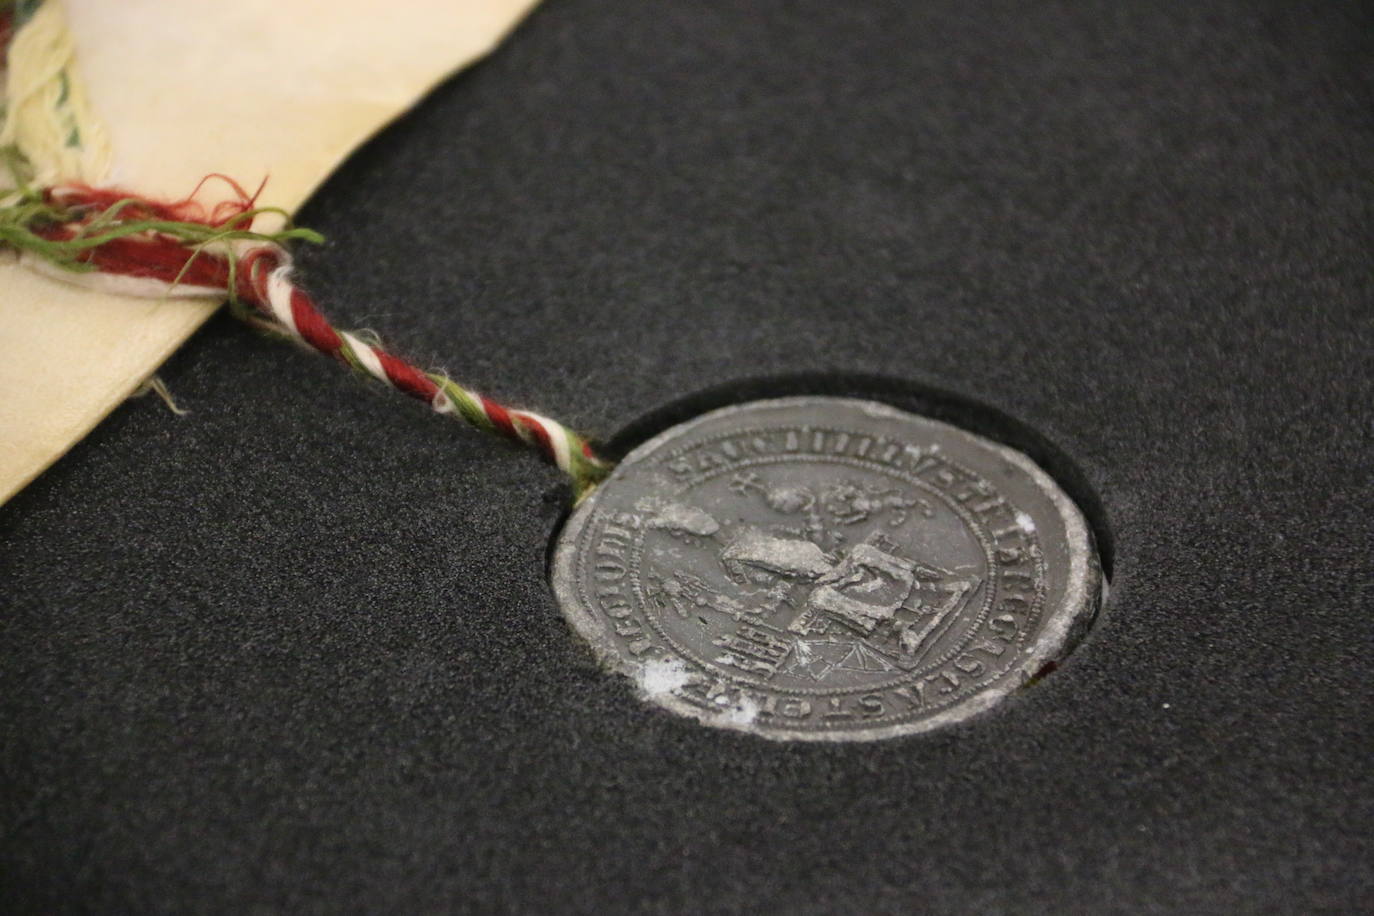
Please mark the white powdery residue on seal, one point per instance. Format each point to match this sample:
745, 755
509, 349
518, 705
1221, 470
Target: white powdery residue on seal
742, 713
701, 552
662, 676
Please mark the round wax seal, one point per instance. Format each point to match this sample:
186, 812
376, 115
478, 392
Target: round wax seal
826, 569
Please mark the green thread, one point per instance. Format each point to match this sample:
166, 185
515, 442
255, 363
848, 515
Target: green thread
23, 9
586, 473
26, 211
468, 407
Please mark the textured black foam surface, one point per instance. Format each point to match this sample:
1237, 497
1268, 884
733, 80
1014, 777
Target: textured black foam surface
296, 650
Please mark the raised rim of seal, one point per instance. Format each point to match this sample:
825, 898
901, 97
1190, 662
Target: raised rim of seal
1063, 624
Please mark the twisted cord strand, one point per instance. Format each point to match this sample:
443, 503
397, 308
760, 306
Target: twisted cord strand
133, 245
108, 240
265, 283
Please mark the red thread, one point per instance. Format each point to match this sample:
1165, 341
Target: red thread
406, 377
541, 435
156, 256
6, 33
251, 278
312, 326
499, 417
186, 210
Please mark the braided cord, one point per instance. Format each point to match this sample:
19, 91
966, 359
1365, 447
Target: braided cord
132, 245
280, 305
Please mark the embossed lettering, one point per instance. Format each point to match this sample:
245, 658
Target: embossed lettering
913, 694
1004, 626
969, 665
871, 705
816, 571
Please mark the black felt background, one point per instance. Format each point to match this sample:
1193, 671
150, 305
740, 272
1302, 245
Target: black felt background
296, 650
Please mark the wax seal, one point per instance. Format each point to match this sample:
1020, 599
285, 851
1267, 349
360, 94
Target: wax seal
826, 569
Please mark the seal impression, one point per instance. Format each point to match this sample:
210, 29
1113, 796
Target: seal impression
826, 569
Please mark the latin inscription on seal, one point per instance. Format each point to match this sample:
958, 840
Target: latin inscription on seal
823, 568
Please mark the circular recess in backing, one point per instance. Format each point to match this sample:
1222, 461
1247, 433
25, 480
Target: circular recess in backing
826, 569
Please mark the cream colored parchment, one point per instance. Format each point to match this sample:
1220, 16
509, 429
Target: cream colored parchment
282, 89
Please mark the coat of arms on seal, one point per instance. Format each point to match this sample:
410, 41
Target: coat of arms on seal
822, 568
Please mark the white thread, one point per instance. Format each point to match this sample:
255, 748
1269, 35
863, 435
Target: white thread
558, 438
521, 423
118, 284
279, 290
45, 105
367, 357
442, 403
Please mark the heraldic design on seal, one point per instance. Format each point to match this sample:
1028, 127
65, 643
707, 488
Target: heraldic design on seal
826, 569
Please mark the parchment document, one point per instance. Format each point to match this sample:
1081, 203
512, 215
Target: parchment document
248, 88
